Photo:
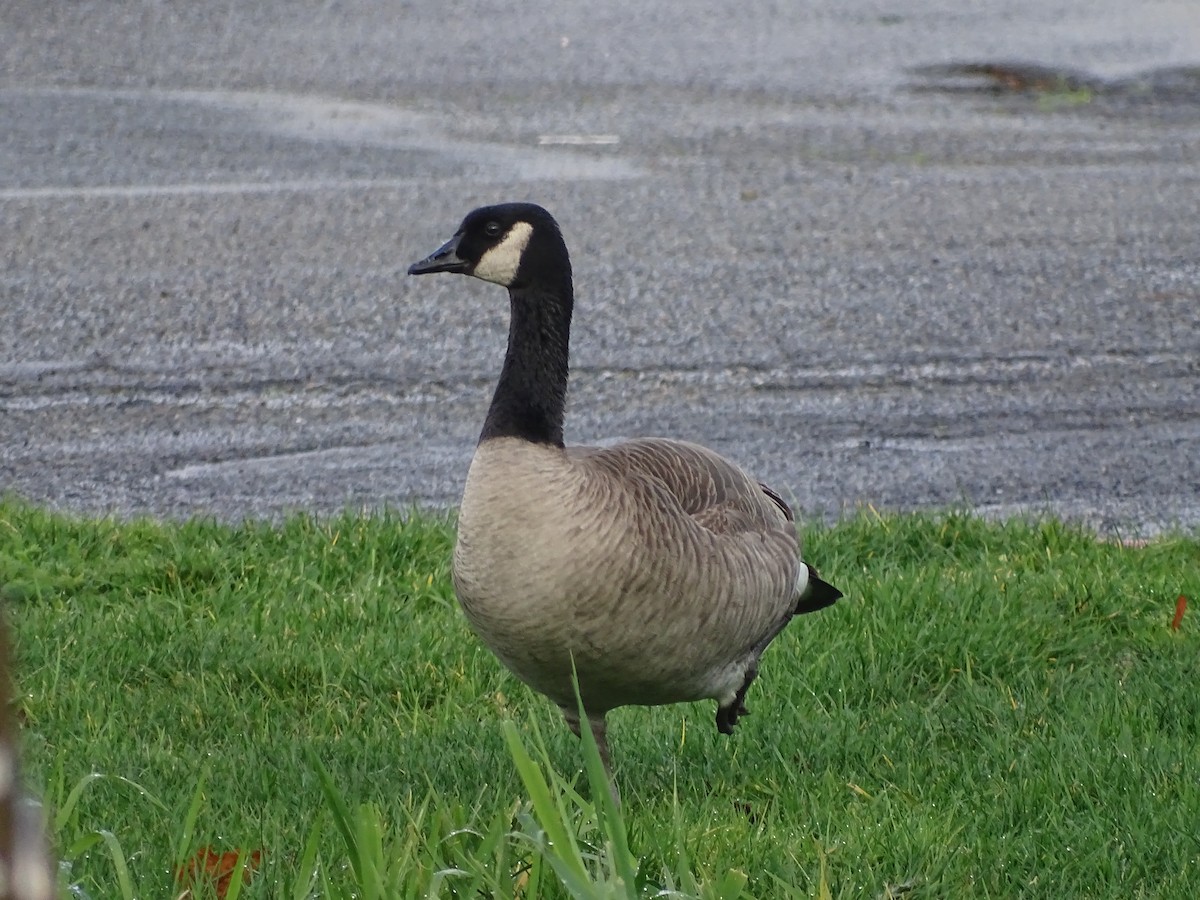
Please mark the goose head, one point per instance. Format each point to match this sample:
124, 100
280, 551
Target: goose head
514, 245
519, 246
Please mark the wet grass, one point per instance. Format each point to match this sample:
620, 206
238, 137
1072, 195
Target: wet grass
993, 711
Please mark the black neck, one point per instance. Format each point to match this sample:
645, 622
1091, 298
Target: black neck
532, 391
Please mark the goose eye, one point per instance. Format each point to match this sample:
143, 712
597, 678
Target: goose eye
491, 229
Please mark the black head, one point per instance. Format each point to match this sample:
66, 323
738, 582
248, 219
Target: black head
512, 244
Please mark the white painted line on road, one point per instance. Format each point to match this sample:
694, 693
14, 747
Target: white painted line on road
578, 140
207, 188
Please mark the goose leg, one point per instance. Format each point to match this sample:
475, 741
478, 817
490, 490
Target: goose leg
600, 733
729, 713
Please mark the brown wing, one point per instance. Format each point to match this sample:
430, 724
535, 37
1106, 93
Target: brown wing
716, 493
779, 501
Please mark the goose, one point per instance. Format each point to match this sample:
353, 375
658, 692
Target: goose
654, 569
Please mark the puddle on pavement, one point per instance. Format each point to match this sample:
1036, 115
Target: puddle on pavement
1051, 87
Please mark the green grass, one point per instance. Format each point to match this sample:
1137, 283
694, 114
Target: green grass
993, 711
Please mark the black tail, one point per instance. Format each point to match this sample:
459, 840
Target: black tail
817, 595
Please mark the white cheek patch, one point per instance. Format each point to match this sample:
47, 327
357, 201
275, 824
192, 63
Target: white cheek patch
500, 264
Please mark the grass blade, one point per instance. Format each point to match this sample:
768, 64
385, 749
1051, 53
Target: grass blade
341, 814
612, 822
561, 849
236, 877
63, 816
184, 844
306, 869
124, 880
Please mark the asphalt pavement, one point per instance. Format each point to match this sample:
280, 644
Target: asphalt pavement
906, 256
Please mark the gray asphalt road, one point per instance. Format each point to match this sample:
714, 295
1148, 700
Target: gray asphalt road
841, 245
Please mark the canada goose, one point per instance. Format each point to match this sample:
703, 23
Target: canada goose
660, 568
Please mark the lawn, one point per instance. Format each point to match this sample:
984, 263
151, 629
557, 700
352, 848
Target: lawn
994, 710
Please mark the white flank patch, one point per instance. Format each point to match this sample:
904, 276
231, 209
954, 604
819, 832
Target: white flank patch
802, 580
500, 264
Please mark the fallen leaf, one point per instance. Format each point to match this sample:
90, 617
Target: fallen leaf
1180, 608
217, 868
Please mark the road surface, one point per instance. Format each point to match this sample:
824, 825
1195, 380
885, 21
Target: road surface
915, 259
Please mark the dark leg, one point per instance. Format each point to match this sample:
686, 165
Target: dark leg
600, 733
727, 716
